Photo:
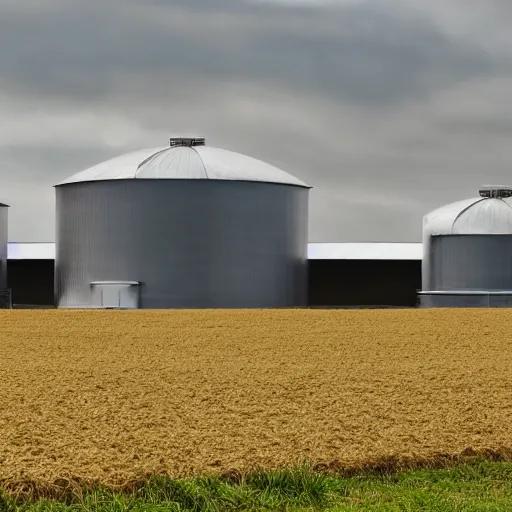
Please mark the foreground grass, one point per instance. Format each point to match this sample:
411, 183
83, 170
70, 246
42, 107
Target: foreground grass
482, 486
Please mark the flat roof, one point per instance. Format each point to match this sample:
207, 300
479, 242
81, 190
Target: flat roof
365, 251
316, 251
30, 251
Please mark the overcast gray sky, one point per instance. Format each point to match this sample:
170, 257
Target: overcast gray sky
388, 108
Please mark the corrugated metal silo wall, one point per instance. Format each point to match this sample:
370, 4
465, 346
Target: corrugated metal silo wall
192, 243
470, 262
4, 237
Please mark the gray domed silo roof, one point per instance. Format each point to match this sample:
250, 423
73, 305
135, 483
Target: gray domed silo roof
185, 159
490, 213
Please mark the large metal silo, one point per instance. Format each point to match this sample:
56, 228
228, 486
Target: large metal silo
186, 226
467, 252
4, 238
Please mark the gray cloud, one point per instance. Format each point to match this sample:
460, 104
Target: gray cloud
362, 53
388, 108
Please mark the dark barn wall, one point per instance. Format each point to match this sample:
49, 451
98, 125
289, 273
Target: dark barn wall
31, 281
364, 282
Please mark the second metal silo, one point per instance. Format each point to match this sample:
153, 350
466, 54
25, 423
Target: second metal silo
467, 252
4, 237
184, 226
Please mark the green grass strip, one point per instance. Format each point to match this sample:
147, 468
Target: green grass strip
483, 486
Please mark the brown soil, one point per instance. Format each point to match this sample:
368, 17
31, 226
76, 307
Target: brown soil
114, 396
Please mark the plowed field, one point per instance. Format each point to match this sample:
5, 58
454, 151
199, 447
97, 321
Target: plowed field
115, 395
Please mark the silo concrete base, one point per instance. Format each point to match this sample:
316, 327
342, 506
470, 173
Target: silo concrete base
465, 299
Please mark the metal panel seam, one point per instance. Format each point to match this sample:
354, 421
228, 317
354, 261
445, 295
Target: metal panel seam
202, 161
149, 158
465, 210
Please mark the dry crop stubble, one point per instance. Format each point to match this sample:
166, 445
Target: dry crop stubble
116, 395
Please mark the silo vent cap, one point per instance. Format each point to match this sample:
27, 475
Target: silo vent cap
495, 191
186, 141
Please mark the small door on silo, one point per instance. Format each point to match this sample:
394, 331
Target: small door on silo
115, 294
